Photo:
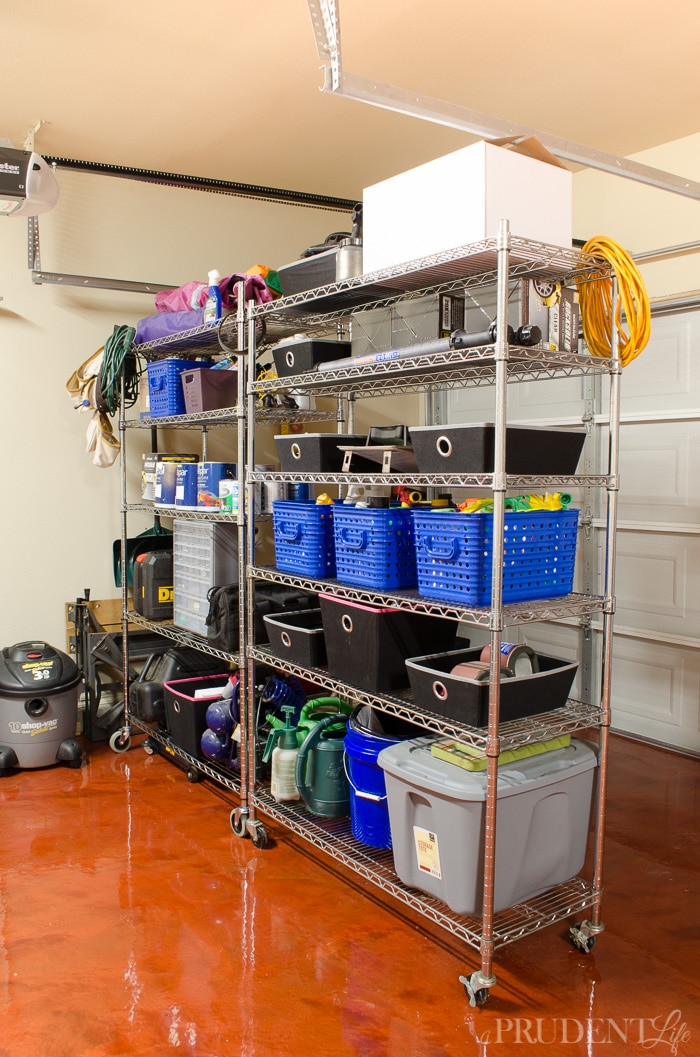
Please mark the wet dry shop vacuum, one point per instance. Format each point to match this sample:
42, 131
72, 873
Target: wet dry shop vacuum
39, 690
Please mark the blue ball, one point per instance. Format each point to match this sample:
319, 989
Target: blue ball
218, 718
214, 747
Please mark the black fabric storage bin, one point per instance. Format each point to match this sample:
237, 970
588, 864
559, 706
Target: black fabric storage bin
314, 452
467, 700
297, 636
367, 646
185, 715
469, 448
296, 357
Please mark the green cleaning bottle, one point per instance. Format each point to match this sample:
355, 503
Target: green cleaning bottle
281, 748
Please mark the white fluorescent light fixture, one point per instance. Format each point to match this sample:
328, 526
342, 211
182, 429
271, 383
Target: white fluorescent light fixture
28, 185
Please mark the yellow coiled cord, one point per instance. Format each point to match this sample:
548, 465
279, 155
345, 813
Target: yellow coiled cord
595, 299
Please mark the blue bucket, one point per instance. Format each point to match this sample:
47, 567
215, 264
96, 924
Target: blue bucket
369, 812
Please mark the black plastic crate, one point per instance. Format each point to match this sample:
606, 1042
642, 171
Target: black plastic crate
467, 701
164, 664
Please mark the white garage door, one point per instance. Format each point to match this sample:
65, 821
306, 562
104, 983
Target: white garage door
656, 655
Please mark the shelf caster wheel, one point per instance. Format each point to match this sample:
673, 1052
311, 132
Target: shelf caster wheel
192, 775
120, 741
239, 822
475, 990
149, 747
259, 835
582, 938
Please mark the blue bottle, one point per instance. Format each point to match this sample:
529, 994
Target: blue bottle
213, 307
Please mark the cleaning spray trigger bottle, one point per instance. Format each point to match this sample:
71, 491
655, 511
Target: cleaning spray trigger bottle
281, 748
213, 307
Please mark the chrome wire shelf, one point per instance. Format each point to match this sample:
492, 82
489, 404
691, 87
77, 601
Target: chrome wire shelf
428, 480
202, 340
448, 368
181, 637
458, 268
203, 514
334, 837
223, 416
570, 605
221, 777
513, 734
228, 416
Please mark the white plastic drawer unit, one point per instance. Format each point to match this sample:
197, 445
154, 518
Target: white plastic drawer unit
205, 555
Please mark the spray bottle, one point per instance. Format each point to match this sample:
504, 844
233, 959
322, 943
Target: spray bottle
281, 748
213, 306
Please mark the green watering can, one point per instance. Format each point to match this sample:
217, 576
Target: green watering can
313, 712
320, 775
317, 709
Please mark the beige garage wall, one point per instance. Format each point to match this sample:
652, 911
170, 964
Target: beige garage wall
59, 512
642, 218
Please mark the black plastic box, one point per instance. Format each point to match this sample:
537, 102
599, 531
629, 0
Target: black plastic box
314, 452
298, 356
147, 693
297, 636
367, 646
467, 700
153, 584
185, 715
469, 448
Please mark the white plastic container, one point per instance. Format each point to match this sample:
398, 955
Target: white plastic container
437, 813
205, 554
460, 198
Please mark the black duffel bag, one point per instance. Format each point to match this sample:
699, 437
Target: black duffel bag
223, 618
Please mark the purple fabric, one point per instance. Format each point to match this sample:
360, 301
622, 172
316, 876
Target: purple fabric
194, 295
163, 323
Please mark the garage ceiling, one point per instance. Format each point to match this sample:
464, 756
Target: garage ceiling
231, 89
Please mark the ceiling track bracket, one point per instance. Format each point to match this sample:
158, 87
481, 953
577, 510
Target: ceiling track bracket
326, 21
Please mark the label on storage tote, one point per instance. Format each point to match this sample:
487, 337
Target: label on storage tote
427, 852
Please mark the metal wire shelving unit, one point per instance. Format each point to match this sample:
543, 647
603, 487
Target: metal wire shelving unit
502, 262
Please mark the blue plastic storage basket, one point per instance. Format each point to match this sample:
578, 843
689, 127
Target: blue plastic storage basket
165, 392
375, 547
304, 538
454, 555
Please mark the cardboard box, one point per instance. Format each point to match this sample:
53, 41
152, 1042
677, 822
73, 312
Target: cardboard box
461, 197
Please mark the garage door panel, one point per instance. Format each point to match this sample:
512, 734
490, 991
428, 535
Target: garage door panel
657, 582
662, 378
655, 691
552, 400
660, 472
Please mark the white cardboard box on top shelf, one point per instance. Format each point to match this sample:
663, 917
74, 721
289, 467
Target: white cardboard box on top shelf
461, 197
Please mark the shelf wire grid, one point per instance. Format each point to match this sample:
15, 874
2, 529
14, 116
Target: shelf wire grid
571, 605
572, 717
334, 837
459, 268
